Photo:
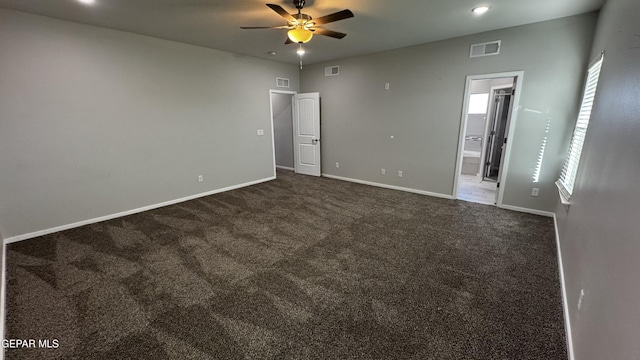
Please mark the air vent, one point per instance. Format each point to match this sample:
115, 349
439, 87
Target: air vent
332, 71
485, 49
282, 82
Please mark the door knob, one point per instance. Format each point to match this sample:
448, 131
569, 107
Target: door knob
315, 141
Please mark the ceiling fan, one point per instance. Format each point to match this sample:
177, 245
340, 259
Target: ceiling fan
301, 26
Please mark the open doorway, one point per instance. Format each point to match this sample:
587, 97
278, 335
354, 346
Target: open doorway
487, 123
282, 118
295, 123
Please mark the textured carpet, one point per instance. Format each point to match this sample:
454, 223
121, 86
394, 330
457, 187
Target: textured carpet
296, 268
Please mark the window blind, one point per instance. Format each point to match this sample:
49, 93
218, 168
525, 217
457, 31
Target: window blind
570, 169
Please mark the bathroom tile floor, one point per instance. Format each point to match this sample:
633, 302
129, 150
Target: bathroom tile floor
473, 189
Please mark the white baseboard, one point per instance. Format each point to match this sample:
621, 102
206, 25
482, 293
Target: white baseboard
285, 168
3, 281
392, 187
443, 196
565, 302
130, 212
527, 210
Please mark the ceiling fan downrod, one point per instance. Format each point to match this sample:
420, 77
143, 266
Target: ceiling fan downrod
299, 4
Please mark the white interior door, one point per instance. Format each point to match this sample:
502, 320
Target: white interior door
306, 133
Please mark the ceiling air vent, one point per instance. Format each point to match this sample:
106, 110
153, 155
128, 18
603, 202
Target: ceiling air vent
485, 49
282, 82
332, 70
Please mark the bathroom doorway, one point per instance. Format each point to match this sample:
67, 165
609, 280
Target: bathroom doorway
487, 123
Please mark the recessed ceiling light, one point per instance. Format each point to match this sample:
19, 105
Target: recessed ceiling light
480, 10
88, 2
272, 53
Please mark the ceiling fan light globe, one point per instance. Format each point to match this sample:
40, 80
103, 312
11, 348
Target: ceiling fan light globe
300, 35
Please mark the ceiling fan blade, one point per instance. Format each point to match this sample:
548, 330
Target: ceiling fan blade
264, 27
340, 15
282, 12
329, 33
288, 42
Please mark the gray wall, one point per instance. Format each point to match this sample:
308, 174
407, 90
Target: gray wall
95, 122
283, 129
600, 232
423, 107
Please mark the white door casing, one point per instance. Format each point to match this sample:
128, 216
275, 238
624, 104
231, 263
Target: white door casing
306, 133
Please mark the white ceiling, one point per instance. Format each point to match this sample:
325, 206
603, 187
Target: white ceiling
378, 24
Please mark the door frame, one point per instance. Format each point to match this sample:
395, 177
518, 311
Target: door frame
273, 133
511, 125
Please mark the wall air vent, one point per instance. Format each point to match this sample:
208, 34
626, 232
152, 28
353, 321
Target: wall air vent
485, 49
332, 71
282, 82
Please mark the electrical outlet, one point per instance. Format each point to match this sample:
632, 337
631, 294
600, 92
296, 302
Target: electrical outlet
383, 171
200, 178
400, 173
386, 86
337, 164
535, 191
260, 132
580, 299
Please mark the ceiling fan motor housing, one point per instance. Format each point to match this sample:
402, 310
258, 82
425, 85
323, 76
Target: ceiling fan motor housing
302, 18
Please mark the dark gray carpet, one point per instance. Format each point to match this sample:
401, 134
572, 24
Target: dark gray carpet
296, 268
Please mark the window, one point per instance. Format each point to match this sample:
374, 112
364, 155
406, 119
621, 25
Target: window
570, 170
478, 103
